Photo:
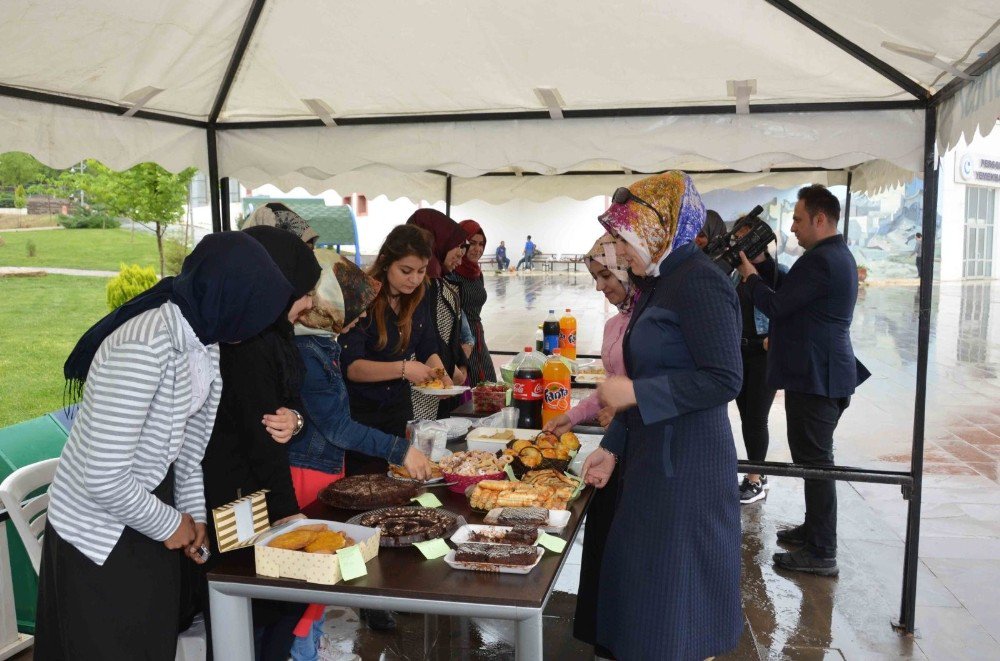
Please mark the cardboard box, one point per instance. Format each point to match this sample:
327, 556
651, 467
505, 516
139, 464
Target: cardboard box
244, 522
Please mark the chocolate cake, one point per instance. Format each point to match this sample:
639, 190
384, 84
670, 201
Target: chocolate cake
527, 516
365, 492
402, 526
519, 536
496, 554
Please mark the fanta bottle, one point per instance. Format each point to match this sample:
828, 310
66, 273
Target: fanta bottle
567, 335
556, 387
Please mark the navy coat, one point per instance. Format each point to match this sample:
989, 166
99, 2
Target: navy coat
670, 577
810, 340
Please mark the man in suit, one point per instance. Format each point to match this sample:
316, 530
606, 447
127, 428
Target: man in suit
811, 358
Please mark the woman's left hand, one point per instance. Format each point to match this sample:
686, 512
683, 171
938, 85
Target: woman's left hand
281, 424
598, 467
194, 550
617, 392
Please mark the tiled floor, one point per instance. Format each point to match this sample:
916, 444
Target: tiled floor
802, 617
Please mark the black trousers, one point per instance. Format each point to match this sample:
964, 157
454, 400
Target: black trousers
600, 513
812, 419
754, 402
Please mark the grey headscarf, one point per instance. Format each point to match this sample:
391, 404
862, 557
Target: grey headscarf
278, 215
714, 225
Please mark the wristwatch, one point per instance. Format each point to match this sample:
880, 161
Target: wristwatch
299, 422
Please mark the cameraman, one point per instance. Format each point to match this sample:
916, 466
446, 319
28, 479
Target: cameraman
756, 396
812, 359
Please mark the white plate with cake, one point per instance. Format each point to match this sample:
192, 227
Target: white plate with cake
495, 558
547, 520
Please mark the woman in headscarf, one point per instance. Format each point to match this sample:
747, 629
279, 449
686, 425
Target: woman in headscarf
611, 279
448, 241
714, 227
469, 278
670, 575
127, 497
276, 214
341, 300
260, 376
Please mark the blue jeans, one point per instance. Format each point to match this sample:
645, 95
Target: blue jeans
306, 648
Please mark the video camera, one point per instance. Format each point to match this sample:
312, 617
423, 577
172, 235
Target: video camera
725, 250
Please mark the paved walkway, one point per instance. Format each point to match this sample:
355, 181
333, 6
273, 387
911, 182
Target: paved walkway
34, 270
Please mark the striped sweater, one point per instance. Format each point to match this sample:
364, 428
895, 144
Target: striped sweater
132, 424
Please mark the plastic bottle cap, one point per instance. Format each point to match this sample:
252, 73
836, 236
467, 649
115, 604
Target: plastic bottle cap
567, 309
527, 349
552, 311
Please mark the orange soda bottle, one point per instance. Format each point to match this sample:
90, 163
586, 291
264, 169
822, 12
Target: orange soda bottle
555, 387
567, 335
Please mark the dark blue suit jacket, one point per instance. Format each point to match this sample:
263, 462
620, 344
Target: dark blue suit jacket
810, 340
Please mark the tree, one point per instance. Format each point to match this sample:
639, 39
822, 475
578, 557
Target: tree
19, 169
20, 197
146, 193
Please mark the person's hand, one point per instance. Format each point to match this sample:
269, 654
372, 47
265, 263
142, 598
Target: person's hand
617, 392
281, 424
559, 425
417, 464
294, 517
745, 268
184, 535
605, 416
765, 344
417, 373
193, 551
598, 467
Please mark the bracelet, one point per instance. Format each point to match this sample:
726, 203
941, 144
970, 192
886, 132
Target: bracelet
299, 422
613, 455
402, 371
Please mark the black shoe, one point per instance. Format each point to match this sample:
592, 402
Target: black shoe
804, 561
751, 492
796, 535
377, 620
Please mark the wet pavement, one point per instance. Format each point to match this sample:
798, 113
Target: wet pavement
807, 617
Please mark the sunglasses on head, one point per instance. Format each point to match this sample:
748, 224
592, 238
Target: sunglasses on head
624, 196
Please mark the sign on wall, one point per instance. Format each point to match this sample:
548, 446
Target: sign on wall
978, 169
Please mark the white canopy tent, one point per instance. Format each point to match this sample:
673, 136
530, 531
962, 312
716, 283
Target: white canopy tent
444, 97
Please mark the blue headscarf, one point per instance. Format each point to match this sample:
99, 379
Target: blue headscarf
229, 289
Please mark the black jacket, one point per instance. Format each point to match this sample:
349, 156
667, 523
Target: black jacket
810, 340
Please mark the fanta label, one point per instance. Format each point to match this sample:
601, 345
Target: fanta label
528, 389
567, 340
556, 397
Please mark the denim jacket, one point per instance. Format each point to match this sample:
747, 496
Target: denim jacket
329, 429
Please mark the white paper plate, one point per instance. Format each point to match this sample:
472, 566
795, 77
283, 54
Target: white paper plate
442, 392
490, 567
464, 534
478, 438
557, 519
590, 378
457, 426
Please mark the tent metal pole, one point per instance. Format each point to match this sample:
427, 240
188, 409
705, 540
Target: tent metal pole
213, 180
236, 60
847, 209
857, 52
984, 63
447, 196
911, 560
227, 224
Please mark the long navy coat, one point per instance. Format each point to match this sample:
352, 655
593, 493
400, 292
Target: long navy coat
670, 577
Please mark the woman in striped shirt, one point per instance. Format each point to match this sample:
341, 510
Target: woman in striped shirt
128, 494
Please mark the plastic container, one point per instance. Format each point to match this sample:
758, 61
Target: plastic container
567, 335
550, 333
556, 388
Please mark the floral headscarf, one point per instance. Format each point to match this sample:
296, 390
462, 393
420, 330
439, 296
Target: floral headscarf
278, 215
342, 294
672, 194
604, 253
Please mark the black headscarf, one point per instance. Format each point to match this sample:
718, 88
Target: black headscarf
228, 290
299, 266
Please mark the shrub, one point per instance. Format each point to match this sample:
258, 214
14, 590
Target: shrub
131, 281
32, 248
174, 253
6, 200
84, 219
20, 197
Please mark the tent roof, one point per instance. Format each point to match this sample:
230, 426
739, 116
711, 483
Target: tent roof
451, 86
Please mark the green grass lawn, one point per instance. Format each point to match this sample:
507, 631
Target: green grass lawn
40, 321
100, 250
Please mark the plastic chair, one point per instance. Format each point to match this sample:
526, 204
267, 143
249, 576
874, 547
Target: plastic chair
29, 514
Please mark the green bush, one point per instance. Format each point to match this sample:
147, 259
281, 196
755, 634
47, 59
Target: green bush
131, 281
85, 219
174, 253
32, 248
20, 197
6, 200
